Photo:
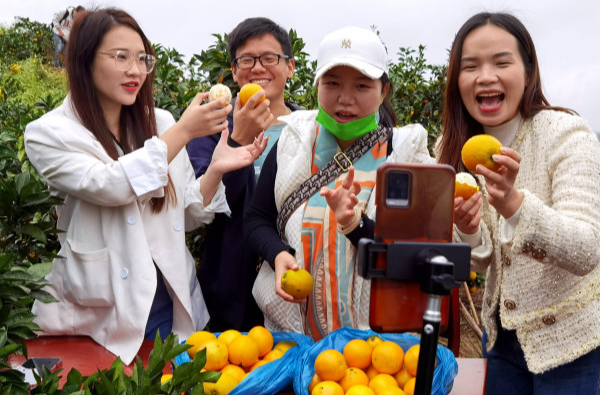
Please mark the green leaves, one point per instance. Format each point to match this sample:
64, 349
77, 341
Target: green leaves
418, 91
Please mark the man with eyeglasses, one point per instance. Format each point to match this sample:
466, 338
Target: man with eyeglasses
260, 52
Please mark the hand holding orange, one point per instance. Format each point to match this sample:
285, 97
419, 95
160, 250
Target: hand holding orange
478, 150
248, 90
298, 283
218, 91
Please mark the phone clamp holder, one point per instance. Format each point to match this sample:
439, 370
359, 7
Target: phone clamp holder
438, 267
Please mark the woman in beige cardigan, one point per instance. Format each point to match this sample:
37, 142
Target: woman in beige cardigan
536, 227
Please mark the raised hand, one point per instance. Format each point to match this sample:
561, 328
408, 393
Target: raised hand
500, 185
202, 119
226, 158
343, 199
251, 119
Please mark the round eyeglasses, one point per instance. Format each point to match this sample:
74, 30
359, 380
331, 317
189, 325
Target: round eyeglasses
266, 60
124, 60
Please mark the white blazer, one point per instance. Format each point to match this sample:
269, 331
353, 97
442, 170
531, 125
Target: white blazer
104, 276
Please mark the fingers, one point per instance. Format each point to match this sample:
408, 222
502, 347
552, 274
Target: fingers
349, 180
326, 192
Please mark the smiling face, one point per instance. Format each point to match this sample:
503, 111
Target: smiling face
492, 76
116, 88
347, 95
272, 78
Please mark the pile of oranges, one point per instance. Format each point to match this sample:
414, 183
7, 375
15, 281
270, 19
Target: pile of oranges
235, 355
366, 367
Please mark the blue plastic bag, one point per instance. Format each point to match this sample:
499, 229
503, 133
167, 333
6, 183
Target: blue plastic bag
443, 376
275, 376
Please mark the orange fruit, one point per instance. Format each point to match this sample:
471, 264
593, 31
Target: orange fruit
465, 185
330, 365
387, 357
472, 275
216, 355
327, 388
392, 391
381, 382
197, 340
228, 336
234, 371
263, 337
285, 345
371, 372
218, 91
358, 353
223, 386
273, 355
409, 387
243, 351
360, 389
248, 90
473, 289
353, 376
403, 376
374, 340
315, 380
258, 363
298, 283
478, 150
411, 359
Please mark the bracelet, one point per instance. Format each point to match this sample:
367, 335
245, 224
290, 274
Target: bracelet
356, 220
232, 143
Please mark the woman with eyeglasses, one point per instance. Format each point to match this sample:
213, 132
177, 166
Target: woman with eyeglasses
129, 190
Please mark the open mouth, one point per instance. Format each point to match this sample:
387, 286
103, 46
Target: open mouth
261, 82
490, 100
343, 116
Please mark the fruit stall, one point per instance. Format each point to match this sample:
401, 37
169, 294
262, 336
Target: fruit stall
335, 357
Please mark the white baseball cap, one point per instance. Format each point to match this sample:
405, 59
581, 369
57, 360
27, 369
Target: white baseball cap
352, 46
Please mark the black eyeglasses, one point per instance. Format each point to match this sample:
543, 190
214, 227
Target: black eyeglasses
124, 60
266, 60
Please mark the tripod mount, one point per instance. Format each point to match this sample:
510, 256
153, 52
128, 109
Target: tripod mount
437, 267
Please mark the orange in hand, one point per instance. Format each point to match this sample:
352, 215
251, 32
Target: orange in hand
478, 150
248, 90
465, 185
298, 283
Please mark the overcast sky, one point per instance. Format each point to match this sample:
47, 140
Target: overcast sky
566, 32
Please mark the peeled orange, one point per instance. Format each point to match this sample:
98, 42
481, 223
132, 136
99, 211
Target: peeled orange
218, 91
465, 185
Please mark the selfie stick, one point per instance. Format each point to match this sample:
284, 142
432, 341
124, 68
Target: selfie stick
428, 263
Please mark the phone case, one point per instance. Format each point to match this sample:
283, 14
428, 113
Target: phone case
398, 306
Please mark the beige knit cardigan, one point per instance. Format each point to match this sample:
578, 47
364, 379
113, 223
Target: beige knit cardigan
544, 278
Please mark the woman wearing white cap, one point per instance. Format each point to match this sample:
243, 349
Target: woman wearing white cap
319, 232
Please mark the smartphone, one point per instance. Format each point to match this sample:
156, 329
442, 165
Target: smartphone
414, 203
37, 364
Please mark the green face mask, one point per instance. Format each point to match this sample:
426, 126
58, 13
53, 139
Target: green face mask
349, 130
